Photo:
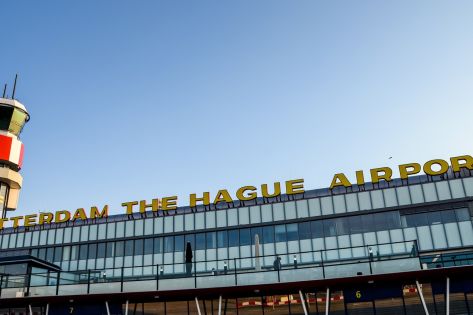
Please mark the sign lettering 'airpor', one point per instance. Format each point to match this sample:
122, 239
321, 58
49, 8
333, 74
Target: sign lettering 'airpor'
245, 193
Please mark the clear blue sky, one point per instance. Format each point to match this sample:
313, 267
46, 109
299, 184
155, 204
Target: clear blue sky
132, 100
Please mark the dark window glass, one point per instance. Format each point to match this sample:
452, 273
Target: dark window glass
190, 238
58, 254
342, 226
211, 240
448, 216
200, 241
245, 237
110, 248
256, 231
158, 245
330, 227
268, 234
381, 221
280, 233
304, 231
434, 217
292, 232
83, 252
317, 229
222, 241
463, 214
393, 219
139, 247
50, 254
129, 248
42, 253
355, 225
168, 244
74, 252
179, 243
120, 249
233, 238
367, 220
92, 251
34, 252
101, 250
5, 117
148, 246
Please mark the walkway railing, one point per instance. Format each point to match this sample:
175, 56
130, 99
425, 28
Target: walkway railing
266, 269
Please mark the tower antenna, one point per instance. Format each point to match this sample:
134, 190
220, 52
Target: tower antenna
4, 90
14, 87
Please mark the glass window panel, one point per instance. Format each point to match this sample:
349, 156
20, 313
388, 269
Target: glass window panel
200, 241
243, 215
327, 207
83, 252
6, 239
292, 232
111, 229
13, 240
280, 233
255, 215
168, 224
149, 226
43, 235
245, 237
191, 239
434, 217
457, 188
158, 245
210, 219
199, 220
34, 242
75, 234
101, 250
211, 240
129, 228
365, 201
221, 218
92, 232
278, 211
416, 194
355, 224
390, 197
304, 231
129, 248
367, 220
256, 231
342, 226
403, 196
314, 207
462, 214
28, 239
179, 245
139, 225
317, 229
67, 235
468, 184
84, 233
58, 254
448, 216
330, 227
290, 209
222, 240
168, 244
178, 223
466, 232
233, 238
302, 209
20, 239
377, 199
266, 213
453, 234
109, 249
189, 221
75, 252
439, 238
102, 230
92, 251
232, 216
425, 240
158, 225
51, 236
443, 190
120, 249
352, 202
139, 248
429, 192
268, 234
339, 204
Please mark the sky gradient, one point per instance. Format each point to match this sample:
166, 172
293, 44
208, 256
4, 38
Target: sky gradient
134, 100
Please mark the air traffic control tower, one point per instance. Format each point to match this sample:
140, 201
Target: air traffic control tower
13, 116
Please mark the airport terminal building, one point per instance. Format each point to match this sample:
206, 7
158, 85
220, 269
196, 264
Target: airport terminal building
400, 246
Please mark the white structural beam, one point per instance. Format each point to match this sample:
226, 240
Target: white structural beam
126, 307
47, 309
31, 310
327, 301
220, 305
106, 306
303, 302
198, 307
447, 297
421, 295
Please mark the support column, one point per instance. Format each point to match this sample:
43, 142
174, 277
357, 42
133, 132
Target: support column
106, 306
421, 295
47, 309
198, 307
31, 310
303, 302
327, 301
447, 297
126, 307
220, 305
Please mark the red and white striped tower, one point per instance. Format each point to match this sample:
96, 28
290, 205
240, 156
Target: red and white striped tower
13, 116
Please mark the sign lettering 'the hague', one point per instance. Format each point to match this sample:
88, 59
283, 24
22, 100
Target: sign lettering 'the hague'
245, 193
